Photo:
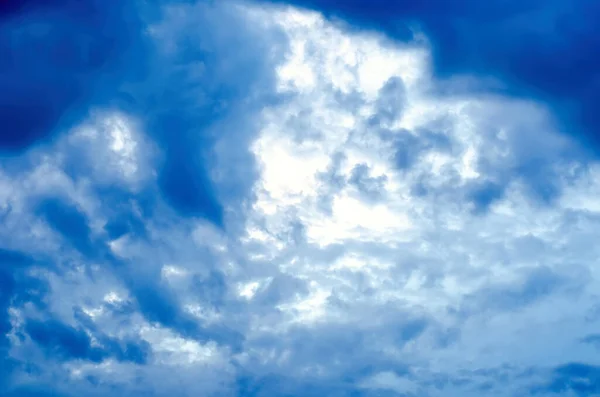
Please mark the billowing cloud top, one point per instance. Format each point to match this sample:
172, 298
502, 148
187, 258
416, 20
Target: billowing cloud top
303, 198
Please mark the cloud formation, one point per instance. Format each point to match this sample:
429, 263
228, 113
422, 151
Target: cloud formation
539, 49
298, 206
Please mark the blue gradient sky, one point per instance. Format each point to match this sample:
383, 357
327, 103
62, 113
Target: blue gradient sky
299, 198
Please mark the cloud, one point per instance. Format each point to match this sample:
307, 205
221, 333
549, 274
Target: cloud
580, 379
531, 48
63, 342
85, 49
390, 381
593, 340
294, 207
157, 63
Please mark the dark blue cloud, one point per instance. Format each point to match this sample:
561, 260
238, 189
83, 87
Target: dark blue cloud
66, 58
412, 329
282, 386
127, 212
127, 350
411, 146
592, 340
205, 83
59, 58
17, 287
64, 342
390, 101
34, 391
212, 289
484, 194
159, 305
536, 285
370, 187
70, 222
155, 301
10, 263
578, 378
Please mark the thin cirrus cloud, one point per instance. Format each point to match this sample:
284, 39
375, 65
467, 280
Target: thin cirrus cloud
326, 200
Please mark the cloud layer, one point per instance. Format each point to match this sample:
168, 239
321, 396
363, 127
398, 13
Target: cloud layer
298, 206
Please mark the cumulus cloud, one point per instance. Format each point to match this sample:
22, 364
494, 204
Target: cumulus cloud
294, 208
530, 48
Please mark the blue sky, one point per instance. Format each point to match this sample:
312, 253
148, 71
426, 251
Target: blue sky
299, 198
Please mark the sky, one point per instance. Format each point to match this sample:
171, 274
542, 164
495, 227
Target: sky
299, 198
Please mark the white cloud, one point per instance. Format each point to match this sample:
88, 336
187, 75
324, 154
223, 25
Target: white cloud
363, 246
438, 254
